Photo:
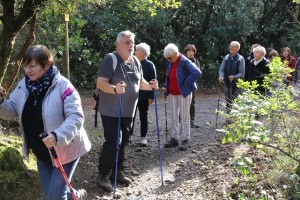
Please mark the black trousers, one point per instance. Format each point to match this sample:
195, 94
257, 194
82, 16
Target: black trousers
143, 106
192, 108
107, 158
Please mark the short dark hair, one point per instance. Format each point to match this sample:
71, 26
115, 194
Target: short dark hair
39, 53
190, 47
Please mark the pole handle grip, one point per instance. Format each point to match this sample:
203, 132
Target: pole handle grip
52, 150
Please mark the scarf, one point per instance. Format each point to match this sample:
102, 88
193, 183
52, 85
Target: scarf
35, 88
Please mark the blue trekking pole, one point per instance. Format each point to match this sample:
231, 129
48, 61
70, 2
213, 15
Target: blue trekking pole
118, 142
158, 140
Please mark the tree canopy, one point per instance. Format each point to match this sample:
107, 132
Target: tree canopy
94, 24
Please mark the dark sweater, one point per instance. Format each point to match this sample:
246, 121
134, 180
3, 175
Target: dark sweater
149, 73
33, 126
257, 72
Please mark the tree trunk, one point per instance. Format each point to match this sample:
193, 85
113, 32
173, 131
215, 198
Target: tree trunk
30, 39
12, 24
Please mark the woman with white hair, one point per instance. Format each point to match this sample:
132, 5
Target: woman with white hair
145, 97
180, 82
258, 68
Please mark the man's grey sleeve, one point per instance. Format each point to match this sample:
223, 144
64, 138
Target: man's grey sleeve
222, 68
241, 69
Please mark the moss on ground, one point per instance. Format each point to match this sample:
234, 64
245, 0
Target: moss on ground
17, 179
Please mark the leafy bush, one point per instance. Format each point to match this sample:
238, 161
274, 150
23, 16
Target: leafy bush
268, 124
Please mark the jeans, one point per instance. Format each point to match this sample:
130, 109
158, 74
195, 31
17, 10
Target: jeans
53, 183
107, 158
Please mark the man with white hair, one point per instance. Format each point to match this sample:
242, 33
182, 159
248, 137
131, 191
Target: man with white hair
232, 68
146, 98
125, 78
180, 82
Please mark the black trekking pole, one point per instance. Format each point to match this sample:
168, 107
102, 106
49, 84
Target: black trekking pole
158, 140
59, 166
218, 107
165, 93
118, 143
96, 111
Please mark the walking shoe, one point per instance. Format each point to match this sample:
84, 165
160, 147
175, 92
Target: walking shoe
185, 144
81, 194
193, 125
144, 141
172, 143
104, 183
121, 178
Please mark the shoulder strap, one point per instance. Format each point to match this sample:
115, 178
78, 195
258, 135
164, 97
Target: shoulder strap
115, 60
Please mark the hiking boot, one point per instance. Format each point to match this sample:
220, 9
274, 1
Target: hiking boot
121, 178
193, 125
185, 144
144, 142
172, 143
104, 183
81, 194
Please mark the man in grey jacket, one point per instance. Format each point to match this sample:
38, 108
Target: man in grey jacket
232, 68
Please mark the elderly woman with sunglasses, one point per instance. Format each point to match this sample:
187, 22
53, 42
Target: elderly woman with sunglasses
180, 82
45, 101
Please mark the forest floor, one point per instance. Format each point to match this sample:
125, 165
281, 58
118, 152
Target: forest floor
202, 172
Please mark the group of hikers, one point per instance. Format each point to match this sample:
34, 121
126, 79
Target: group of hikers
51, 115
254, 68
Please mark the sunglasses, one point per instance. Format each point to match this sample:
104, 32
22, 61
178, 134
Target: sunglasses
169, 58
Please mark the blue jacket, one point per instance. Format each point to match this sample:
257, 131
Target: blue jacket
187, 74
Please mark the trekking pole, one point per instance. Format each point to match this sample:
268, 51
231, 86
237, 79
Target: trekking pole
166, 115
96, 111
158, 140
60, 167
218, 108
118, 143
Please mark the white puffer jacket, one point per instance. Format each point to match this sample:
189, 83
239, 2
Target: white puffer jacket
62, 113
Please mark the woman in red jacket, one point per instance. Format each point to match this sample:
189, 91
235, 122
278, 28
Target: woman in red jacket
289, 61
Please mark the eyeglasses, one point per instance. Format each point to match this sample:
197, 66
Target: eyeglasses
128, 42
31, 67
232, 46
169, 58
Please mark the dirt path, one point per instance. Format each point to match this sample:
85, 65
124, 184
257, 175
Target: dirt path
202, 172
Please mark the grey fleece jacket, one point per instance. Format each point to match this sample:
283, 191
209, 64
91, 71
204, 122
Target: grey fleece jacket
62, 113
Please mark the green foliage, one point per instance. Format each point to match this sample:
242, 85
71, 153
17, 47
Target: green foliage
269, 124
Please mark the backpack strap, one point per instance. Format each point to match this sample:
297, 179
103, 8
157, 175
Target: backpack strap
115, 60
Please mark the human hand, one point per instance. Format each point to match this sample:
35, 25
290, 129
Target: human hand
154, 84
48, 139
164, 89
150, 101
120, 87
231, 78
221, 79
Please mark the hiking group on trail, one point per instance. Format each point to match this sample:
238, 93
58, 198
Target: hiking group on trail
51, 116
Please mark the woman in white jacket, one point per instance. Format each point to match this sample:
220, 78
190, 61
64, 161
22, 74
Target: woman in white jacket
45, 101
